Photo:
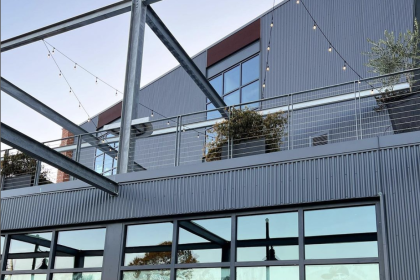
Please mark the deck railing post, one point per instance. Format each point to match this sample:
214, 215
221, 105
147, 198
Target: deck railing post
181, 130
37, 172
176, 141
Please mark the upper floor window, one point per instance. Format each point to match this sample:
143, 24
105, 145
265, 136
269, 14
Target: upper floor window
105, 164
238, 84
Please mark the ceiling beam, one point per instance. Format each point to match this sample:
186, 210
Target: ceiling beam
67, 25
163, 33
202, 232
45, 154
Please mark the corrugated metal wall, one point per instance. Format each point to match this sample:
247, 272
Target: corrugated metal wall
299, 58
394, 171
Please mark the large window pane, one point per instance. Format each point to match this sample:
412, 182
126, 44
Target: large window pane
251, 93
217, 84
268, 272
340, 221
26, 277
343, 272
232, 80
251, 70
36, 247
80, 248
232, 98
148, 244
342, 250
163, 274
277, 232
77, 276
204, 241
203, 274
341, 233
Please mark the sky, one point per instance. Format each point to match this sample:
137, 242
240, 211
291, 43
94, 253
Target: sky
102, 49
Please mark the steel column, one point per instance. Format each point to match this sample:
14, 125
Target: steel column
37, 172
41, 152
159, 28
132, 85
114, 244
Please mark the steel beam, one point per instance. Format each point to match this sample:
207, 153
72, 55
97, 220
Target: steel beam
149, 2
132, 85
54, 116
67, 25
202, 232
44, 243
41, 152
159, 28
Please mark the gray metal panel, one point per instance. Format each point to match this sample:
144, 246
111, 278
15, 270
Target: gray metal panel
299, 57
174, 94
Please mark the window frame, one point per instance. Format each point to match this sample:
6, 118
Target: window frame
241, 86
232, 264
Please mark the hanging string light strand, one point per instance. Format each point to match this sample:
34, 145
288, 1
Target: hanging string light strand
267, 67
61, 74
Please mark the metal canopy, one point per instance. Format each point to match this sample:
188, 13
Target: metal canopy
45, 154
159, 28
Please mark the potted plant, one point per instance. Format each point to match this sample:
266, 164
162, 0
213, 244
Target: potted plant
391, 55
248, 132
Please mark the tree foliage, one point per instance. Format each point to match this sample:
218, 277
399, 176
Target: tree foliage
159, 258
20, 164
244, 125
394, 54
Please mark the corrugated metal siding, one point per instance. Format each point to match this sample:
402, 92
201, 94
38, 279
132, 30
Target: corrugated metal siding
175, 93
299, 58
393, 171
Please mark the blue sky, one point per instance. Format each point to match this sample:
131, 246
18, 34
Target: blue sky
102, 49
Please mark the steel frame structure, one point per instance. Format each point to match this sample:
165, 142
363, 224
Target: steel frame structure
140, 11
45, 154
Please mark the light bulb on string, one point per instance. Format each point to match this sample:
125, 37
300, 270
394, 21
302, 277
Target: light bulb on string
272, 24
198, 135
314, 28
75, 65
53, 51
330, 48
297, 1
88, 119
59, 74
268, 48
49, 55
167, 123
116, 93
268, 68
80, 106
371, 91
344, 66
152, 114
263, 85
70, 90
96, 80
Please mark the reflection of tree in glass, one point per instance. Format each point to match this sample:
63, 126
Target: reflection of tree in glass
201, 274
156, 258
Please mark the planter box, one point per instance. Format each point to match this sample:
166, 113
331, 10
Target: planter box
404, 111
245, 148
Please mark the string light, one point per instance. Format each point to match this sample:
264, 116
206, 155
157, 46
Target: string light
79, 105
75, 65
263, 85
371, 91
297, 1
49, 55
198, 135
330, 48
96, 80
116, 93
70, 90
344, 66
59, 74
152, 114
314, 28
88, 120
167, 123
268, 68
53, 51
272, 24
268, 48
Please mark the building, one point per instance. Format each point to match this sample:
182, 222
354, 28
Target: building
339, 198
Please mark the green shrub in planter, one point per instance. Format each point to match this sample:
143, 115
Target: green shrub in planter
246, 125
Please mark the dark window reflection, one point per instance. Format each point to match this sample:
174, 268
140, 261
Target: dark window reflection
77, 276
29, 251
80, 248
204, 241
149, 244
268, 237
348, 232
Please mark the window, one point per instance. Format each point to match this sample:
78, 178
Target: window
239, 84
105, 164
80, 248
